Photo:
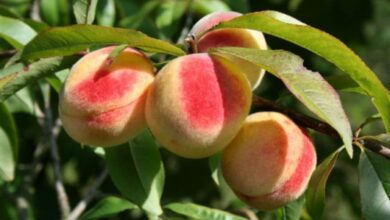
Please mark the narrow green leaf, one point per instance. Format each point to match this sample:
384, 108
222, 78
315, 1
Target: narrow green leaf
136, 19
106, 12
226, 193
374, 185
15, 32
205, 7
382, 139
201, 212
49, 11
168, 16
322, 44
8, 12
54, 82
138, 172
292, 211
13, 82
309, 87
7, 162
107, 207
315, 194
84, 11
7, 123
62, 41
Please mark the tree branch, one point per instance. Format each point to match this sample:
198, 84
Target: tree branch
80, 207
59, 186
261, 104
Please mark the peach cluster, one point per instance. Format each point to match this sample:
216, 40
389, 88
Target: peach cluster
196, 106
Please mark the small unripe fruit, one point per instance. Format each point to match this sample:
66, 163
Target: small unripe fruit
206, 39
103, 100
270, 161
197, 104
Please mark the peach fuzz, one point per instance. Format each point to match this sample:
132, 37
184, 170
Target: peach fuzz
270, 161
103, 100
197, 104
229, 37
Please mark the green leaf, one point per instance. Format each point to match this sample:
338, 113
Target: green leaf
226, 193
345, 83
315, 194
7, 123
15, 32
13, 82
136, 19
8, 12
84, 11
168, 16
106, 12
107, 207
205, 7
374, 185
49, 10
381, 139
137, 171
322, 44
309, 87
292, 211
62, 41
7, 161
201, 212
22, 101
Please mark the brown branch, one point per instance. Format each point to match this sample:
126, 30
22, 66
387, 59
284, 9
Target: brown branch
261, 104
59, 186
80, 207
7, 53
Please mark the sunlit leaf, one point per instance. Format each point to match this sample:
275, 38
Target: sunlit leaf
7, 123
62, 41
84, 11
108, 206
105, 14
15, 32
7, 161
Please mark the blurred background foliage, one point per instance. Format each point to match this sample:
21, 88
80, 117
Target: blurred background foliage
364, 25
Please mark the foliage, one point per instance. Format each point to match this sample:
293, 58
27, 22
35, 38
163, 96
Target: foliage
40, 164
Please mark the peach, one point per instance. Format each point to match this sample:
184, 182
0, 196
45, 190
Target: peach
229, 37
103, 99
270, 161
197, 104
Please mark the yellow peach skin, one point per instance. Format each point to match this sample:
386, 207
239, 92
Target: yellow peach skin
102, 101
269, 162
197, 104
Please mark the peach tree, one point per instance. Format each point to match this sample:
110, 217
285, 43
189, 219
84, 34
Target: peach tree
139, 105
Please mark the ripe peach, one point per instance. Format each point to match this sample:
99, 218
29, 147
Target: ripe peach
269, 162
102, 101
229, 37
197, 104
